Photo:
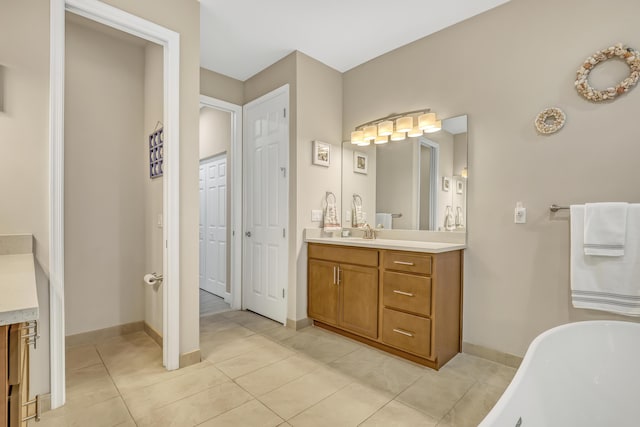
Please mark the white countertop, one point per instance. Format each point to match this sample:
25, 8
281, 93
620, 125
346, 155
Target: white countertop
18, 295
401, 245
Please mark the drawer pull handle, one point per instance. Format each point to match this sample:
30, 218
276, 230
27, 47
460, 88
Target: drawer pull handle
407, 294
403, 263
334, 274
401, 332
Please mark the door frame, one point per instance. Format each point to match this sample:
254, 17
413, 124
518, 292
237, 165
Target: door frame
276, 92
170, 41
235, 187
433, 181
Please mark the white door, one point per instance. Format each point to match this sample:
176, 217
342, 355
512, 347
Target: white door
213, 224
266, 166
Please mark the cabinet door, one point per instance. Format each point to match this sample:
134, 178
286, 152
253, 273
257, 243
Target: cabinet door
359, 299
4, 373
323, 291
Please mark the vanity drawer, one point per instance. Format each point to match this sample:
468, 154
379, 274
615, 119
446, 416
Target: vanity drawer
406, 332
343, 254
407, 292
407, 262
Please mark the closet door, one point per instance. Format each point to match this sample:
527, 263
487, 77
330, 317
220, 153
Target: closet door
216, 226
202, 229
213, 230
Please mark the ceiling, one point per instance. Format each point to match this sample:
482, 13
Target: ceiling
239, 38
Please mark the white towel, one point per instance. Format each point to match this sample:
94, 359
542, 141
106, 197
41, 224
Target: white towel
331, 222
606, 283
605, 227
384, 220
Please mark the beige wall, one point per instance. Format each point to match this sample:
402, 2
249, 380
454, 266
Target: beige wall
221, 87
104, 180
502, 68
153, 194
183, 16
24, 166
319, 113
215, 132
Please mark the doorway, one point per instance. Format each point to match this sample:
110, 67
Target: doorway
169, 42
220, 206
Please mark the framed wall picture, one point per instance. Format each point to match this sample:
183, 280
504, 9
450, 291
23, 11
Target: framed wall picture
459, 187
321, 153
446, 183
360, 162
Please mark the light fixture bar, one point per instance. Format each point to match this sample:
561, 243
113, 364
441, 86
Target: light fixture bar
392, 116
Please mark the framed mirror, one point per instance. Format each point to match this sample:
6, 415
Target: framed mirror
416, 184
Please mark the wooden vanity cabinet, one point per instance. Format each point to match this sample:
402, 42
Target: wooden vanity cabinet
14, 371
416, 297
343, 288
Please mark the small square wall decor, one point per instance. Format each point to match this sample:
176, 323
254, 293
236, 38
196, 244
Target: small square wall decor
446, 183
360, 162
321, 153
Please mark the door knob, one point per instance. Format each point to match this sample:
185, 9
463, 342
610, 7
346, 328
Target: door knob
248, 234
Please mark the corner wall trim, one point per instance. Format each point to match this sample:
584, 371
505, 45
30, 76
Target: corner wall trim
94, 337
155, 335
190, 358
298, 324
491, 354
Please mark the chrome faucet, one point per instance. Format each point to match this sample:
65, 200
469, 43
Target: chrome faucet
369, 233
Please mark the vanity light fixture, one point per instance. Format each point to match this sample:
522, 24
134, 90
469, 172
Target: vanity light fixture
415, 131
396, 127
370, 132
385, 128
404, 124
435, 128
381, 139
398, 136
357, 137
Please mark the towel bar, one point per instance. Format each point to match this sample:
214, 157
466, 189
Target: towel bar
556, 208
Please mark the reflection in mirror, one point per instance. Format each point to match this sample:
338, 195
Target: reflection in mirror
416, 184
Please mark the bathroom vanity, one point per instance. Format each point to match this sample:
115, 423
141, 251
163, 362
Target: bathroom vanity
404, 297
18, 328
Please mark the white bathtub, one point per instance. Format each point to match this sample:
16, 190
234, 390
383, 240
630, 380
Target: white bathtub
584, 374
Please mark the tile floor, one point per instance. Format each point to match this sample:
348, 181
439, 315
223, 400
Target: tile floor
255, 372
211, 304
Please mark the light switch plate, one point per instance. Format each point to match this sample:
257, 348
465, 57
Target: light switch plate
316, 215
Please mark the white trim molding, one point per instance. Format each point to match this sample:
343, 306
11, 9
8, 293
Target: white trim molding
170, 40
236, 195
56, 203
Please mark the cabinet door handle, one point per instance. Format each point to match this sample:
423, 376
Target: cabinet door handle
334, 274
401, 332
407, 294
339, 275
403, 263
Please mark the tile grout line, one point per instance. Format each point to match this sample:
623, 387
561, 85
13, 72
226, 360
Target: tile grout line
115, 385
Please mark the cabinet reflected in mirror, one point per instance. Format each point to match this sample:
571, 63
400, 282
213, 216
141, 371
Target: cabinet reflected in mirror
416, 184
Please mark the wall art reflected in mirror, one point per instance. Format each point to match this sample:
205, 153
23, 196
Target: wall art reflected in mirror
418, 183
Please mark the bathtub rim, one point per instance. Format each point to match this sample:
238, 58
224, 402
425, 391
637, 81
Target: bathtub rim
490, 419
